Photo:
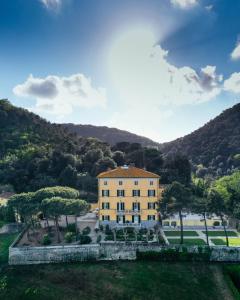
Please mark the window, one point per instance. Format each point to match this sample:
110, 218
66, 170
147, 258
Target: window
120, 219
151, 193
105, 218
151, 182
135, 182
174, 223
136, 219
166, 223
105, 205
120, 182
151, 205
151, 217
136, 206
105, 193
120, 193
120, 206
105, 182
136, 193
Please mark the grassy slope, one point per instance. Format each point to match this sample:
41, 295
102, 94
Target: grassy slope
5, 241
112, 280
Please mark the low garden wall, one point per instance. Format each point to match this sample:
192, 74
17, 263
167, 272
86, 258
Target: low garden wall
119, 251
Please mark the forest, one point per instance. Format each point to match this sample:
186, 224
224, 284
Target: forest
35, 154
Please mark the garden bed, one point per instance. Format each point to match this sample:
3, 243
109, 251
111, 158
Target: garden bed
44, 237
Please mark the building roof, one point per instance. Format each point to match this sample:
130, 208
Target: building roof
127, 172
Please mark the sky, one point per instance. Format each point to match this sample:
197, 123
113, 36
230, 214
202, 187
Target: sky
157, 68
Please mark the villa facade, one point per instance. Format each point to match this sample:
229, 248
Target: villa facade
128, 196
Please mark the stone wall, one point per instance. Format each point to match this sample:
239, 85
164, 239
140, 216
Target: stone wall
106, 251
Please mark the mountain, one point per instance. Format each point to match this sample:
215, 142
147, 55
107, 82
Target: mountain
109, 135
35, 153
214, 148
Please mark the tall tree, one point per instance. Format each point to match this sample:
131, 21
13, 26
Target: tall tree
200, 203
217, 206
175, 198
76, 207
55, 207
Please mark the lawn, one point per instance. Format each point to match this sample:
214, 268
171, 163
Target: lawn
234, 242
5, 241
221, 233
112, 280
178, 233
187, 241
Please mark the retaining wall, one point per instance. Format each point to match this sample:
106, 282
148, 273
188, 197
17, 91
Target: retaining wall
107, 251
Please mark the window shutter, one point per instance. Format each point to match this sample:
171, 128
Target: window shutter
138, 206
139, 219
132, 219
118, 206
123, 219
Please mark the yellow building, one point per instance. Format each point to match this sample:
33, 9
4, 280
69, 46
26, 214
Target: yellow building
128, 196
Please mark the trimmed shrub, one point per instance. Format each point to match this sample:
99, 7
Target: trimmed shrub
46, 240
84, 239
71, 228
86, 230
68, 237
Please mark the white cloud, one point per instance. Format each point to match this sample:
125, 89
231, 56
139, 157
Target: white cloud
52, 4
60, 95
232, 84
184, 3
209, 7
142, 74
235, 55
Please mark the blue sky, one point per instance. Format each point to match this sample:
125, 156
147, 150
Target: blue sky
159, 68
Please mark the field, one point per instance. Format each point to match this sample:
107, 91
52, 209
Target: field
188, 241
115, 280
178, 233
221, 233
234, 242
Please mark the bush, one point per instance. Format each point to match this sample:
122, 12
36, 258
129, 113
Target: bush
108, 230
46, 240
84, 239
86, 230
68, 237
71, 228
175, 255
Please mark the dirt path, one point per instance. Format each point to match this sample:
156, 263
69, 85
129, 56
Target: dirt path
221, 283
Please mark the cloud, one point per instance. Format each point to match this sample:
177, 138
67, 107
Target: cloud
60, 95
209, 7
232, 84
52, 4
184, 3
235, 55
142, 74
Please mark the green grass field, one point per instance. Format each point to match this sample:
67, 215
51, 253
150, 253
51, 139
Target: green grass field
5, 242
112, 281
234, 242
178, 233
221, 233
187, 241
